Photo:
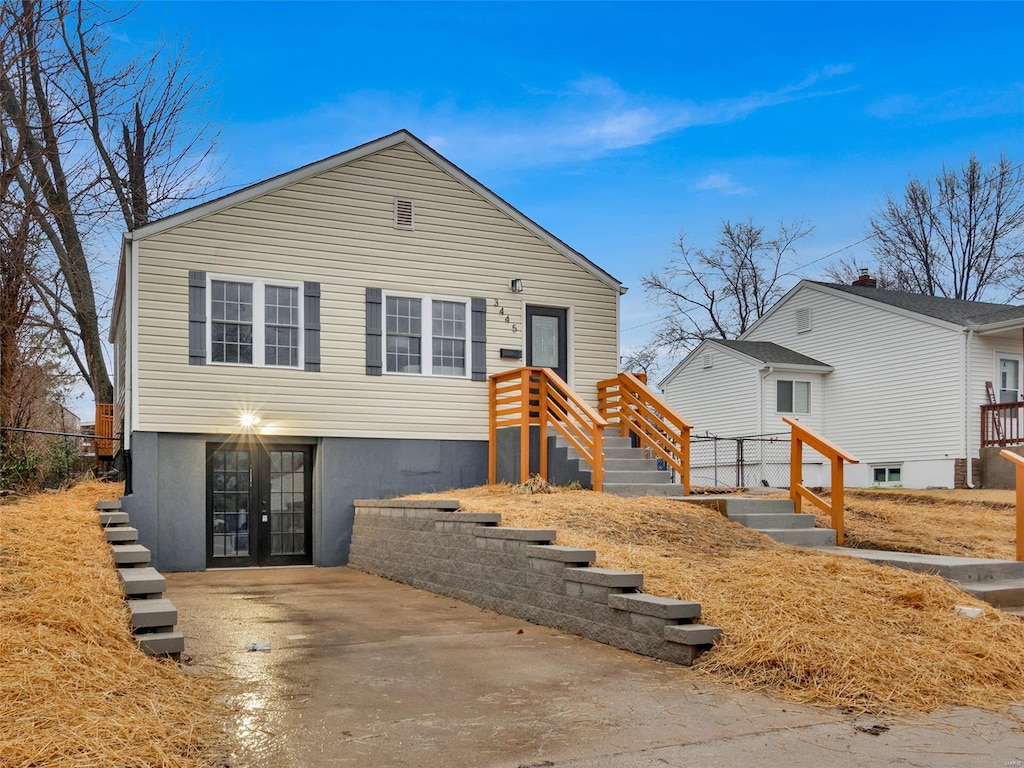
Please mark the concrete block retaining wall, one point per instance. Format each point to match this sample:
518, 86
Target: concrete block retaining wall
518, 572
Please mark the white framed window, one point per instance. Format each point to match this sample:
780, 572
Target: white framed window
426, 335
792, 396
890, 475
254, 322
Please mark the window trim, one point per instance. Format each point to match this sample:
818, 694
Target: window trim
794, 382
259, 322
426, 333
888, 468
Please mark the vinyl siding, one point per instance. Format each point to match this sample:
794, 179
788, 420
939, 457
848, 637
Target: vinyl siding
722, 399
120, 368
985, 353
338, 229
896, 391
772, 420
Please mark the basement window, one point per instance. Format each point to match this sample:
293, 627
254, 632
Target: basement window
889, 476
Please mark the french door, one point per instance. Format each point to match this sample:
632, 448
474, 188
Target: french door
259, 500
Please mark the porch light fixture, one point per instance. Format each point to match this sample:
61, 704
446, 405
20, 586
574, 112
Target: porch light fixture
516, 285
248, 420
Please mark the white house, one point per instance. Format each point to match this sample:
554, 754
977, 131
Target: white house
899, 380
327, 335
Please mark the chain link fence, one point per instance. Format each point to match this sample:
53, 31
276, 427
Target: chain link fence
740, 462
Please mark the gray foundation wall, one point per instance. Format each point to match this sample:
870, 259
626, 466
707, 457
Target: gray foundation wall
562, 470
515, 571
997, 472
168, 500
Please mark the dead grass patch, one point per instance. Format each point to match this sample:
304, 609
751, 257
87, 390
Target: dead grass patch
74, 688
931, 522
809, 626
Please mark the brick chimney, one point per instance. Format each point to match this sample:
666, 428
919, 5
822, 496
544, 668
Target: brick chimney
865, 280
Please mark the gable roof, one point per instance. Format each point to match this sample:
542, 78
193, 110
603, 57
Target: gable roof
760, 353
356, 153
769, 353
969, 314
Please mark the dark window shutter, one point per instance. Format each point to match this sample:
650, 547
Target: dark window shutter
478, 328
311, 320
374, 312
196, 318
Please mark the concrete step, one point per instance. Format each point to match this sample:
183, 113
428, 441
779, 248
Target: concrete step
113, 518
1002, 594
766, 520
692, 634
161, 643
643, 477
108, 505
802, 537
122, 534
128, 555
645, 489
142, 581
146, 614
626, 452
963, 570
748, 505
630, 464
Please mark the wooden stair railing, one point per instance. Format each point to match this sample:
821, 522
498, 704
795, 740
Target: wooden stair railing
801, 436
104, 431
523, 397
635, 408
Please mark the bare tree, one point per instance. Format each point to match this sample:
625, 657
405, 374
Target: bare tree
106, 145
720, 292
849, 268
643, 359
960, 236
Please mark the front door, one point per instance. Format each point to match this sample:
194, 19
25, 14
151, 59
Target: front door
1008, 377
547, 339
259, 504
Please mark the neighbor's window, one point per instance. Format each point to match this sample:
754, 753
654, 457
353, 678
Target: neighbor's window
255, 323
793, 396
887, 475
414, 325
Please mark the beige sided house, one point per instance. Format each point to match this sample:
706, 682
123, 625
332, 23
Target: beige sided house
327, 335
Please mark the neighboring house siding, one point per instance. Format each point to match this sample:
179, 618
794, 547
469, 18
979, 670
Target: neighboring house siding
121, 354
338, 229
896, 390
722, 399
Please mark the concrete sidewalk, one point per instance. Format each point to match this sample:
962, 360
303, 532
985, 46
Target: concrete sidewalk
366, 672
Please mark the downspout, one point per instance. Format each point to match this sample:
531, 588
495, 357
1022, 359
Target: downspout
968, 469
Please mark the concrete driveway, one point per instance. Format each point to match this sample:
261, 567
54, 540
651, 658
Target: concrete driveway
366, 672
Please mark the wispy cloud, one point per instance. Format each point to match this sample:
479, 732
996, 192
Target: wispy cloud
954, 104
722, 183
583, 119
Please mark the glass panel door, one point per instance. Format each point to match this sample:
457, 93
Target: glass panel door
547, 339
1009, 380
230, 500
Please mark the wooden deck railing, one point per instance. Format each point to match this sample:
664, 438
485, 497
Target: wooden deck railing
104, 431
1002, 424
626, 401
1018, 464
800, 437
529, 396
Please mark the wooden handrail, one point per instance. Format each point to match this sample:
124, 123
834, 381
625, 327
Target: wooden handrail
801, 436
1002, 424
628, 402
104, 431
528, 396
1018, 464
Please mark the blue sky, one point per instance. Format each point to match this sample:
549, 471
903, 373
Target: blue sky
618, 125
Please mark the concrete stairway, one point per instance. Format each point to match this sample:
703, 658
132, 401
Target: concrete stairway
152, 615
628, 471
773, 517
999, 583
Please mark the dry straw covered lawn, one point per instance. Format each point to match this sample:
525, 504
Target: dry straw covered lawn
74, 689
812, 627
972, 523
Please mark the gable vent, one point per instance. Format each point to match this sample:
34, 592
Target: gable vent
803, 320
403, 214
707, 360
